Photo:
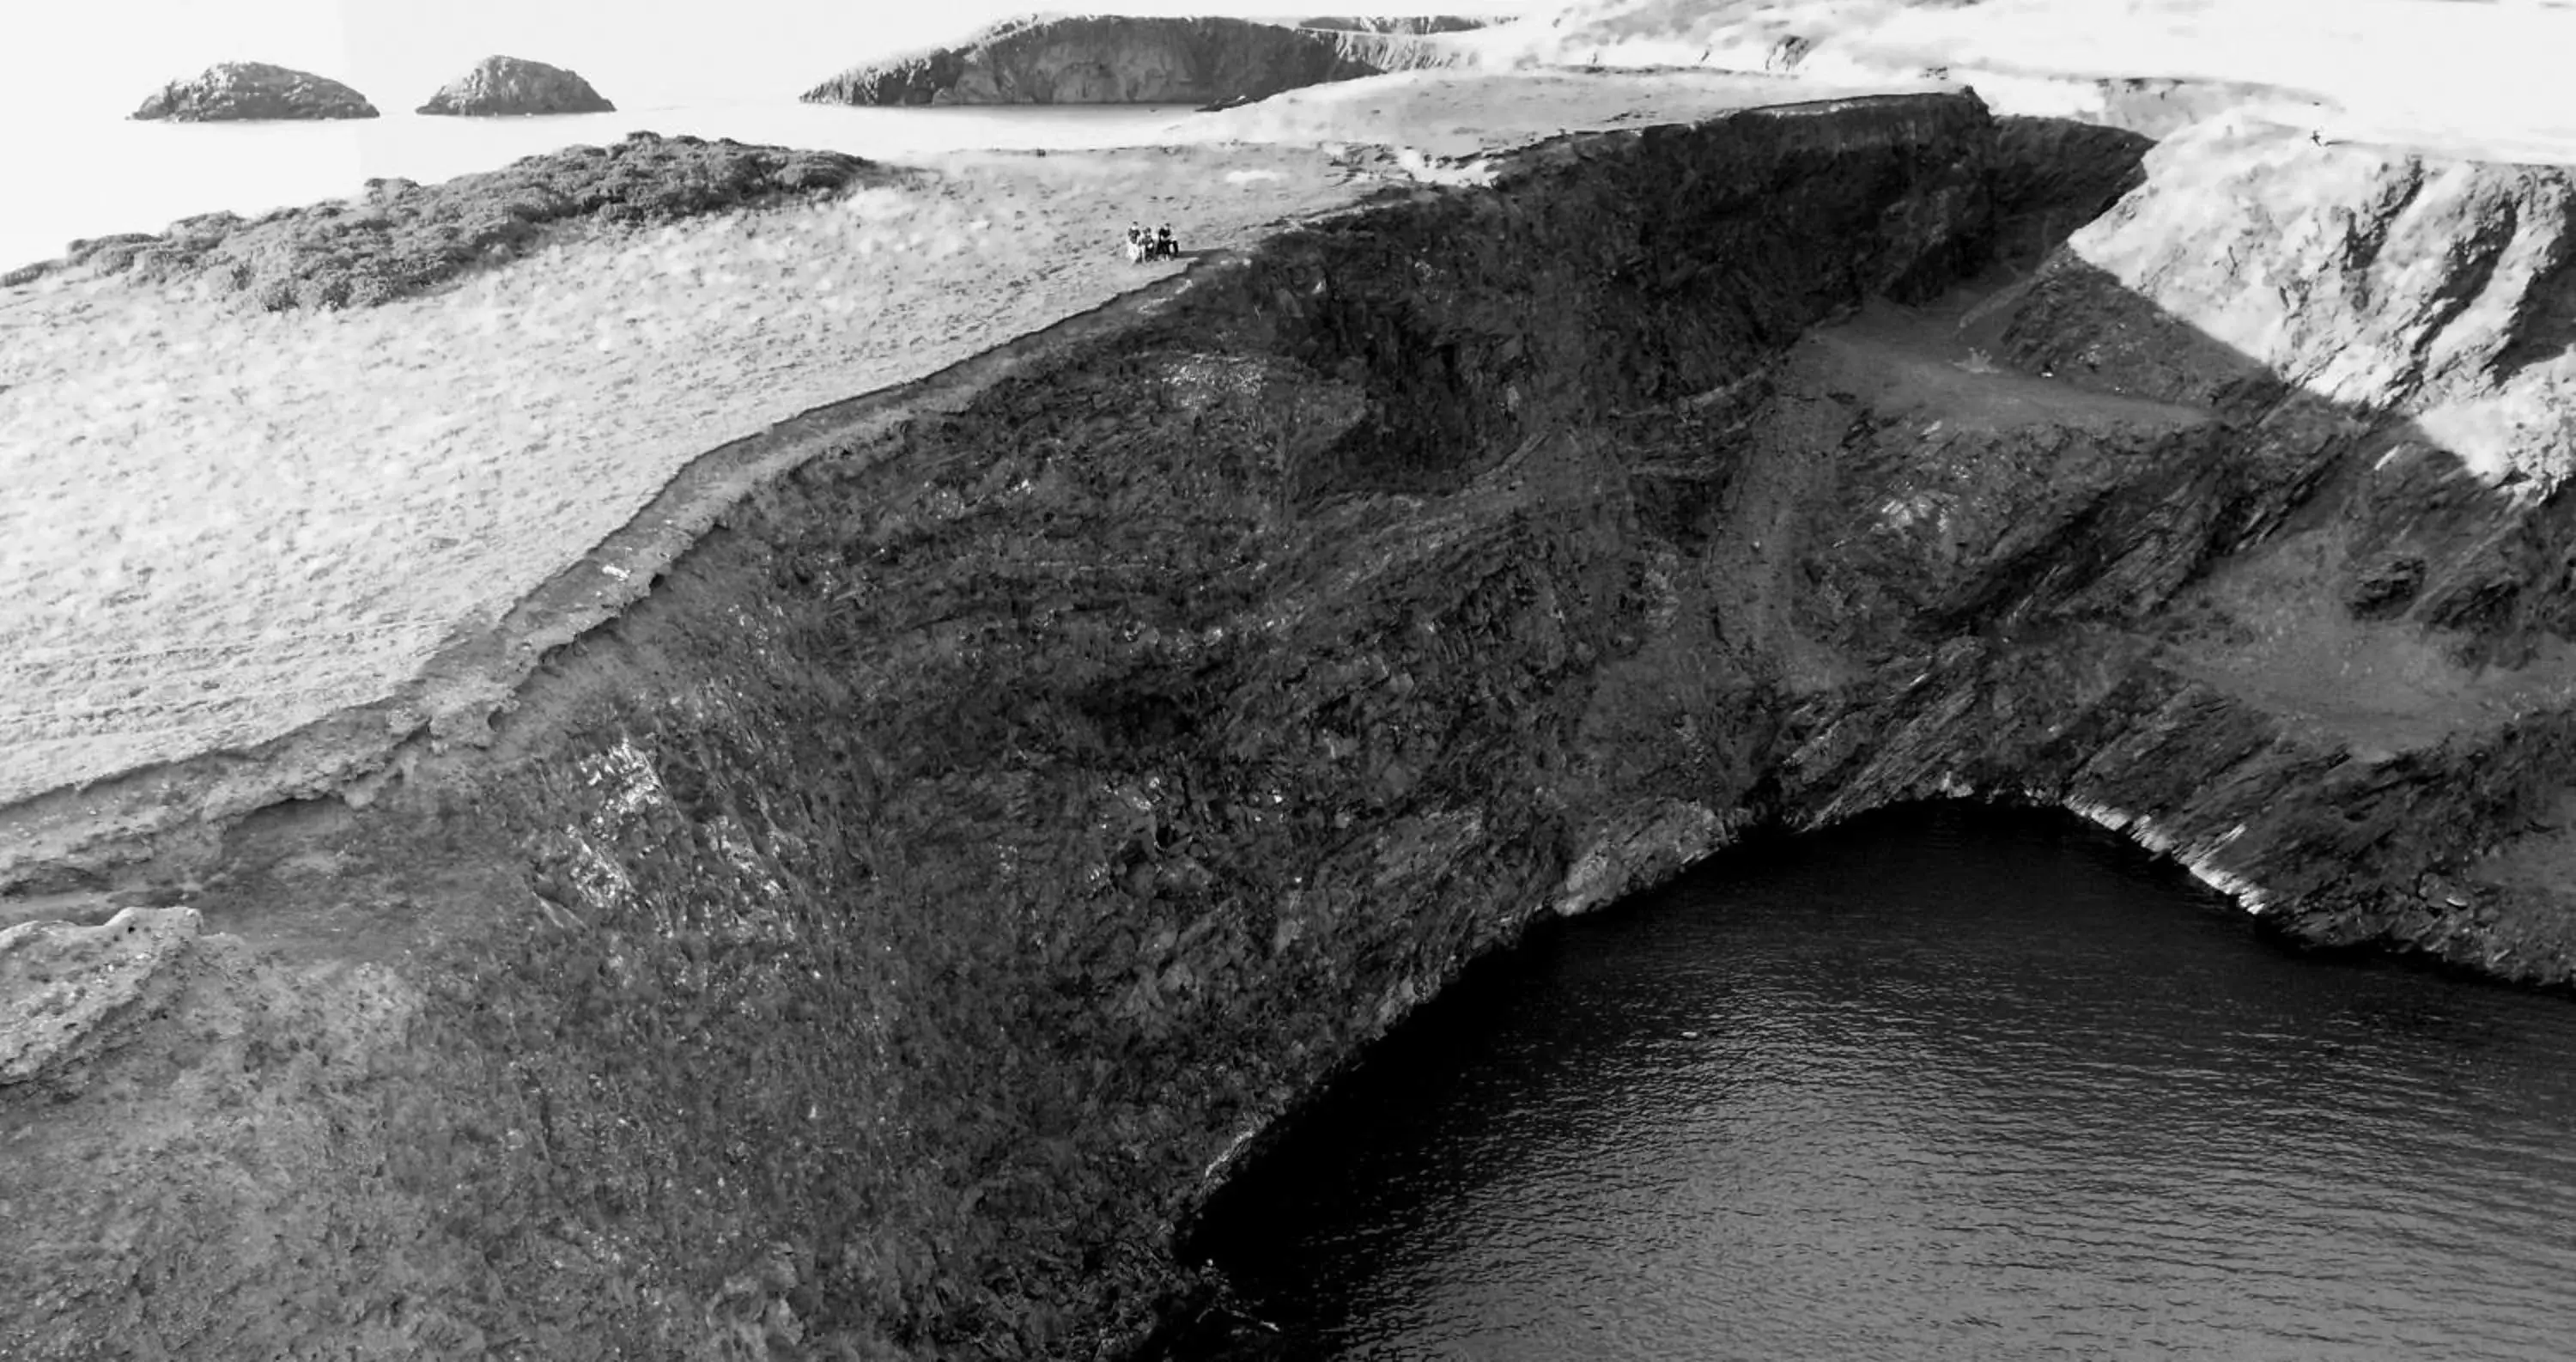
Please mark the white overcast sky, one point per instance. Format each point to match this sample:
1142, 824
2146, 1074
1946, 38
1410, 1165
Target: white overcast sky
90, 56
2491, 78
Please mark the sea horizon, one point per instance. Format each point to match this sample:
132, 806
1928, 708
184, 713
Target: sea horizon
82, 168
130, 176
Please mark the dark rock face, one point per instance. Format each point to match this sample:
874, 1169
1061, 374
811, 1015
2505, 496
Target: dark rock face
2053, 176
499, 86
250, 89
1115, 60
1786, 54
868, 945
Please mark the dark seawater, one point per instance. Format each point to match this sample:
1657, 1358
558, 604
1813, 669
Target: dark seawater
1948, 1083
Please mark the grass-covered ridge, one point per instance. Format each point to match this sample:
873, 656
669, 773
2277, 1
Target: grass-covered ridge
402, 238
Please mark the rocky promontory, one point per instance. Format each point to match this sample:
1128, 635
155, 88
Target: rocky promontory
869, 943
508, 86
1123, 60
240, 90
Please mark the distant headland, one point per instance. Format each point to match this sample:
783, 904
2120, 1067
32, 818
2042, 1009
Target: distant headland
1115, 59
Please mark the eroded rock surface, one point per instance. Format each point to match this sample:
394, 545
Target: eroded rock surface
1102, 59
868, 945
2376, 282
508, 86
251, 89
60, 984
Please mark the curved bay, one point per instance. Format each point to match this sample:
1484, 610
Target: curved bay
1947, 1083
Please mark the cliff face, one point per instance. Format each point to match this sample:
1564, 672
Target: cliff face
2389, 620
870, 942
2443, 292
1117, 60
250, 89
499, 86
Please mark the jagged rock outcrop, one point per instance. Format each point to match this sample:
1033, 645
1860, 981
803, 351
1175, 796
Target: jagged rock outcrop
2053, 176
868, 944
503, 86
1121, 60
63, 986
2379, 283
252, 90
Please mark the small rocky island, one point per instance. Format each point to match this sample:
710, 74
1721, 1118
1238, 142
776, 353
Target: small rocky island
240, 90
509, 86
1109, 59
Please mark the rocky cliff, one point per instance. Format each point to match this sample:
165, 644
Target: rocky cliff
250, 89
1120, 60
870, 943
499, 86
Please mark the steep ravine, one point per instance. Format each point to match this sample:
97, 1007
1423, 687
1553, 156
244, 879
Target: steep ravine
866, 944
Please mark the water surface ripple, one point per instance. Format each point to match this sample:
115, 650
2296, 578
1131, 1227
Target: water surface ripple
1944, 1084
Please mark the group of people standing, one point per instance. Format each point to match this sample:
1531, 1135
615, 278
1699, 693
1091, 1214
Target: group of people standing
1156, 245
